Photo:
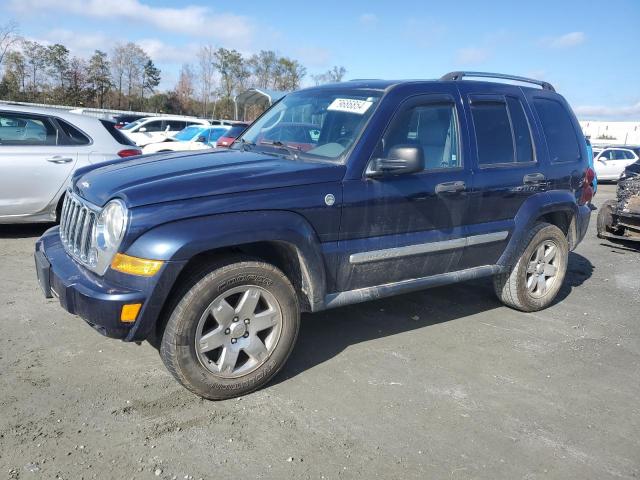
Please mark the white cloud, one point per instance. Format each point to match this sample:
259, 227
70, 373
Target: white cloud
368, 19
235, 30
313, 56
592, 111
472, 55
567, 40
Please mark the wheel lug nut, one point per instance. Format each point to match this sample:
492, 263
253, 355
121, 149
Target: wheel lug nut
246, 321
246, 335
233, 340
235, 319
227, 331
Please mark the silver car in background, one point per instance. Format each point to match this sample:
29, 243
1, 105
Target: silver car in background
39, 150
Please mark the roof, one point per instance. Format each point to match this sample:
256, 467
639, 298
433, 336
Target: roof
75, 118
254, 94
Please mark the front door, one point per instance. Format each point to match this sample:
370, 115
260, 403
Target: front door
399, 227
33, 164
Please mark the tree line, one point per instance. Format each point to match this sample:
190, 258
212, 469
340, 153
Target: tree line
126, 78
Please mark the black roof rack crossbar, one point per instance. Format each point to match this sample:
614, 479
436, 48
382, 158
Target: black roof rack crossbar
502, 76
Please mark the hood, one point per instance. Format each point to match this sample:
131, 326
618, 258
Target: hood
167, 177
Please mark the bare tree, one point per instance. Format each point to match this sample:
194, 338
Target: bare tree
206, 75
263, 66
185, 87
333, 75
8, 38
36, 60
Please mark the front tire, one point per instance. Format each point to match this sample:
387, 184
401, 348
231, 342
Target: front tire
232, 330
534, 281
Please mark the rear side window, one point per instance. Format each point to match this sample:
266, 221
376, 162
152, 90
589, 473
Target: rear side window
493, 133
25, 129
174, 125
117, 135
521, 131
558, 130
74, 136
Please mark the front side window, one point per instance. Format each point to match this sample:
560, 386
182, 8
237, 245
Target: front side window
318, 123
562, 141
23, 129
433, 127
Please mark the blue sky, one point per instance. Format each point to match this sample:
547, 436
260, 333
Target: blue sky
590, 51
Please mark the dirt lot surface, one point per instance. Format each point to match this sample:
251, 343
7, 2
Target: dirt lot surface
445, 384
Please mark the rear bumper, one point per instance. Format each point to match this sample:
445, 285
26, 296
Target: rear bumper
99, 300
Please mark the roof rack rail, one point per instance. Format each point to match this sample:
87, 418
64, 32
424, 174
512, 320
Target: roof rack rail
502, 76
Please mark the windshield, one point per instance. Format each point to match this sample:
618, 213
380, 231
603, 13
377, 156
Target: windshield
131, 125
216, 133
236, 130
321, 123
188, 133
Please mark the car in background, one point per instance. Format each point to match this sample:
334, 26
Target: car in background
155, 129
610, 162
194, 137
619, 219
234, 132
39, 151
126, 119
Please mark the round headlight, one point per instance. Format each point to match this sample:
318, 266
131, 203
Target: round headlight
111, 224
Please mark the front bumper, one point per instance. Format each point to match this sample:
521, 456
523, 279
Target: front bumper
99, 300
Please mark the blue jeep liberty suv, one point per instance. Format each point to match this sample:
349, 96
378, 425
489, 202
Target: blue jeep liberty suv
337, 194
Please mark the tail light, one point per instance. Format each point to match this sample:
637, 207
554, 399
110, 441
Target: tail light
129, 152
587, 186
118, 126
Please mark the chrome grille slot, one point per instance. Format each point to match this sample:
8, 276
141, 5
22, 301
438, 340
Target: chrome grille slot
77, 221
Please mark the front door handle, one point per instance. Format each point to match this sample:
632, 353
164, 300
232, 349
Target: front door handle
533, 178
59, 159
450, 187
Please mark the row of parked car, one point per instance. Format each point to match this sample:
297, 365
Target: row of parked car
41, 148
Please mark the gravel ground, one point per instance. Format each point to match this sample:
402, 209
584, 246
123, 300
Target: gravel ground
445, 383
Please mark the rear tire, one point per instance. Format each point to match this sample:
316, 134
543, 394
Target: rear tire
534, 281
220, 349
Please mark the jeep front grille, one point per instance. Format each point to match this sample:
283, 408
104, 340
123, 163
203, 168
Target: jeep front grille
77, 220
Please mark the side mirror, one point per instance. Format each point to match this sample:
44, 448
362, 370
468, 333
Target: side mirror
201, 139
402, 159
142, 129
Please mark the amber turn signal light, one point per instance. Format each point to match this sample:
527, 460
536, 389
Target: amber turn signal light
135, 266
130, 312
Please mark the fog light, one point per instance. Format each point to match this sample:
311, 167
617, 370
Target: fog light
130, 312
136, 266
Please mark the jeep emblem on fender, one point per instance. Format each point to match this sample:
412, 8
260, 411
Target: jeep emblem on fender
329, 199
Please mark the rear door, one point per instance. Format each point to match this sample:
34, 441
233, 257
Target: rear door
34, 163
400, 227
506, 166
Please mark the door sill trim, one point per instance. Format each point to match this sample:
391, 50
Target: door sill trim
422, 248
350, 297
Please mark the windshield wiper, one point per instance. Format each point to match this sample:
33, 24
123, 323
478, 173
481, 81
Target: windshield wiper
293, 151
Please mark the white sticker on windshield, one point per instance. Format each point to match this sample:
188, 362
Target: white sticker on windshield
350, 105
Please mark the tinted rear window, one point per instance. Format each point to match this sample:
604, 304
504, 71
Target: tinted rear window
493, 133
117, 135
558, 130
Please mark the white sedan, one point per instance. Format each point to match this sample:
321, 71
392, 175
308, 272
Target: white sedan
611, 162
156, 129
195, 137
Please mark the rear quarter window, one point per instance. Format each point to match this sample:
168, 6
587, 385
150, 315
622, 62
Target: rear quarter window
74, 136
558, 129
117, 135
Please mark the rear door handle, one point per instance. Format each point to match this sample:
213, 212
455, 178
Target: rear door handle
533, 178
450, 187
59, 159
